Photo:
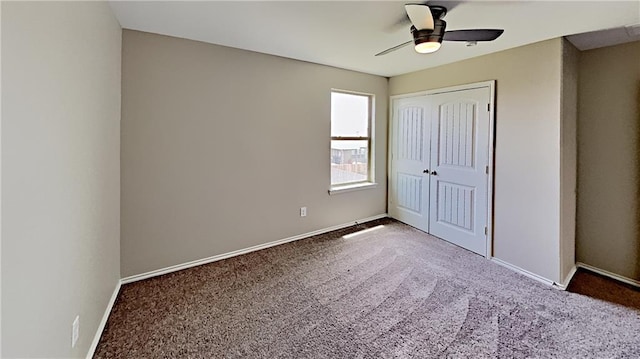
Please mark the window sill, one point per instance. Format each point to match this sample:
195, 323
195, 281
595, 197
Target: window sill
352, 187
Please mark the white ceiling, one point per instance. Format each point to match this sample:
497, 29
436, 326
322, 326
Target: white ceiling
609, 37
348, 34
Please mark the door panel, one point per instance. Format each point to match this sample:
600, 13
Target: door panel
456, 135
455, 205
410, 192
459, 155
410, 145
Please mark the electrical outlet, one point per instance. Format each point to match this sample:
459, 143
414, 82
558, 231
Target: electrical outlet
75, 331
303, 211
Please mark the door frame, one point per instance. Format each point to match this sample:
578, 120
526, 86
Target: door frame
491, 84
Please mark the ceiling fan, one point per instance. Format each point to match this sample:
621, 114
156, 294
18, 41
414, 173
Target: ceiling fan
428, 30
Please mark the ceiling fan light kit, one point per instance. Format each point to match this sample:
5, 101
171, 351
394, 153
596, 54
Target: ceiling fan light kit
428, 40
428, 30
427, 47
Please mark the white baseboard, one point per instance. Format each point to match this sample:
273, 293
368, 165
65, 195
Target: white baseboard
103, 322
567, 279
177, 267
611, 275
524, 272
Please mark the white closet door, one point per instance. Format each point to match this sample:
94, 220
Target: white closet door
410, 142
459, 164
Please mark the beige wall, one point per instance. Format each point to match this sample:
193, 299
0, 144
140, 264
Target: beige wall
60, 174
527, 154
608, 234
568, 158
221, 147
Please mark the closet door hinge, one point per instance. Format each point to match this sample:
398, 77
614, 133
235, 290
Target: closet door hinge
486, 231
488, 107
486, 169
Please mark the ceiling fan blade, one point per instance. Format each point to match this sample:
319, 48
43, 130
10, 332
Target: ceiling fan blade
420, 16
472, 35
394, 48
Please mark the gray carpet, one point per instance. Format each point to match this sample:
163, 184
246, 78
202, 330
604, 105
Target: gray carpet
392, 292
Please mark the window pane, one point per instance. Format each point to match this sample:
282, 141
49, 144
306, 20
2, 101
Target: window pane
349, 115
349, 161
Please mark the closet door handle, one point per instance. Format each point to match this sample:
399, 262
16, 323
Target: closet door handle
434, 173
426, 171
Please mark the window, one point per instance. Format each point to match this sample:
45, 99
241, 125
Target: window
350, 138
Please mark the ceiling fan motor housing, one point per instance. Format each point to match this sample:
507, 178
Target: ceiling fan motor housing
426, 35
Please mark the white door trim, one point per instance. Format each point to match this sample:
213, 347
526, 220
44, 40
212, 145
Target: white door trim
491, 84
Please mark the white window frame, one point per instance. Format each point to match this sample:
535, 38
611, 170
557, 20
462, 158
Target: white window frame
369, 182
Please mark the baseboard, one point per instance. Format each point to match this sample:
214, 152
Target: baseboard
611, 275
567, 279
524, 272
103, 322
174, 268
